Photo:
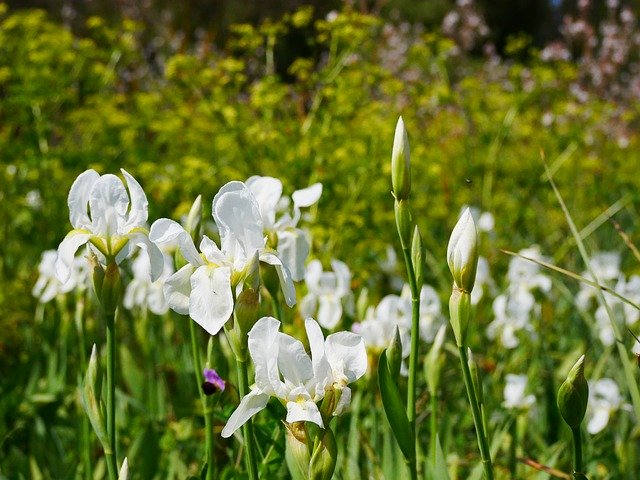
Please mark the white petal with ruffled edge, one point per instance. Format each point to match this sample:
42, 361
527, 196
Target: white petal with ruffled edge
347, 354
211, 300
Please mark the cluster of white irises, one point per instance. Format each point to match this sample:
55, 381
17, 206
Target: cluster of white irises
255, 223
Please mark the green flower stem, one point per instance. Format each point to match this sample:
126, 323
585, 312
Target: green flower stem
483, 441
413, 357
85, 433
247, 428
577, 453
110, 452
207, 408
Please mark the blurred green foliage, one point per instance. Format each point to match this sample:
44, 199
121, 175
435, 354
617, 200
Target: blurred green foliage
476, 130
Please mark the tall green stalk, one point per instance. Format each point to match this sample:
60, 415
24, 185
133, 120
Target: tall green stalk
247, 428
110, 452
413, 356
85, 438
483, 441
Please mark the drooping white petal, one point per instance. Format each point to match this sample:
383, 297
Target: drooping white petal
304, 410
286, 282
267, 192
263, 347
293, 361
330, 311
293, 249
251, 404
164, 231
139, 206
211, 251
67, 251
78, 198
238, 218
177, 289
156, 259
211, 300
108, 204
307, 196
347, 354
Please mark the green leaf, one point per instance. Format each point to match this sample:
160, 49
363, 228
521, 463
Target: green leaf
394, 409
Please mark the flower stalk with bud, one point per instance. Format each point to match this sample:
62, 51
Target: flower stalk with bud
412, 250
573, 397
462, 257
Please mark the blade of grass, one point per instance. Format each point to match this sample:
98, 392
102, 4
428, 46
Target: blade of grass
573, 275
594, 225
622, 352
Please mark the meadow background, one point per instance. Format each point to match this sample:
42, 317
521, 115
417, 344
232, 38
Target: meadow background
187, 108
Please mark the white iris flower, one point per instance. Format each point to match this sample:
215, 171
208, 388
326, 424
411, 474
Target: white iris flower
204, 288
110, 218
327, 290
283, 369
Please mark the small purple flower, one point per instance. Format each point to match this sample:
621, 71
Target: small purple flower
212, 382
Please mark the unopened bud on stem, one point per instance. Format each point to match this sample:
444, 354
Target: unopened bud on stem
400, 163
573, 395
462, 252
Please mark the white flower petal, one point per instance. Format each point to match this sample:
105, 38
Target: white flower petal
347, 354
330, 311
598, 421
321, 366
139, 206
267, 192
312, 275
304, 411
177, 289
156, 258
263, 346
211, 300
286, 283
67, 251
108, 204
343, 277
307, 196
251, 404
238, 218
293, 249
293, 361
211, 251
78, 199
165, 231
